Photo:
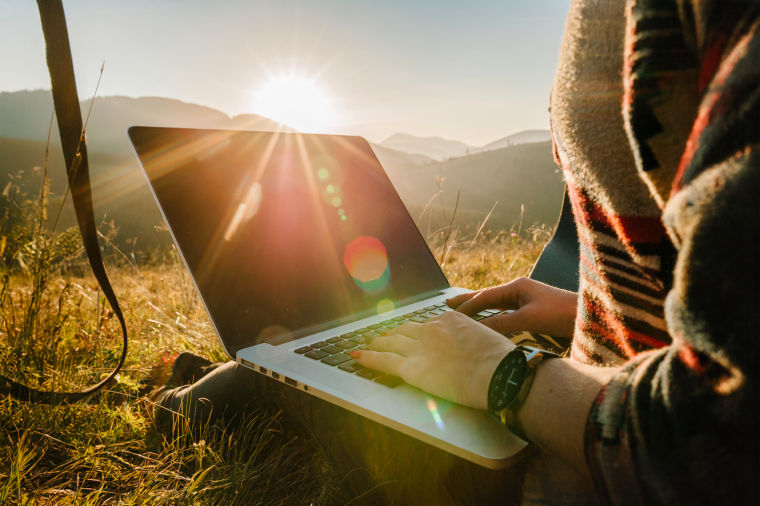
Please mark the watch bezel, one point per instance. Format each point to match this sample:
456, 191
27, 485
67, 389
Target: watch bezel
494, 404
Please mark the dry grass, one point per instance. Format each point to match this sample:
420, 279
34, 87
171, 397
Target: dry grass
56, 333
492, 260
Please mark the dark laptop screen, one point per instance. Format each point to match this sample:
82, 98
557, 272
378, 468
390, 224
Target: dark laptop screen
284, 231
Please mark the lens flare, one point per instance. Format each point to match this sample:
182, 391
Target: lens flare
245, 211
367, 261
385, 306
434, 411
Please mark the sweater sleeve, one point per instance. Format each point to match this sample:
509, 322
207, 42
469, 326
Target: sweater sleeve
680, 425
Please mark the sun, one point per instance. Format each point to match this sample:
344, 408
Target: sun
295, 101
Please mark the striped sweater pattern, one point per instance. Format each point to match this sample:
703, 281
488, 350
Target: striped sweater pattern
656, 126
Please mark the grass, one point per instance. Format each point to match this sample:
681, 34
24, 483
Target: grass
57, 333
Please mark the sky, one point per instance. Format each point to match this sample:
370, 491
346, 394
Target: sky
469, 70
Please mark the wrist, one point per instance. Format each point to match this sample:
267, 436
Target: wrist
525, 415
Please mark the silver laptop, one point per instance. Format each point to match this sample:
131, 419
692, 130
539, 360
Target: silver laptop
301, 250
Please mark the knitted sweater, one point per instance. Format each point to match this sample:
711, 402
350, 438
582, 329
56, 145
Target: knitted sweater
656, 122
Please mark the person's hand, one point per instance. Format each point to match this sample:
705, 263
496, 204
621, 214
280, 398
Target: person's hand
451, 356
537, 307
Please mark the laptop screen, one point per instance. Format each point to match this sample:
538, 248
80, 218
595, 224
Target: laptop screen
284, 231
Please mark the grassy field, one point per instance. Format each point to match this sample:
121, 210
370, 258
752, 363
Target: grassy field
56, 333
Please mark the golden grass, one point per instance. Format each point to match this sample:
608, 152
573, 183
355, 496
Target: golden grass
56, 333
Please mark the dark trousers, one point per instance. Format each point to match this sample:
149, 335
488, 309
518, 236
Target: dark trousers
363, 452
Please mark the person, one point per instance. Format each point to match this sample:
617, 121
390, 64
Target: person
655, 115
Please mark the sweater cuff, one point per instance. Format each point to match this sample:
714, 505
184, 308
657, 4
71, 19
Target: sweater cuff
608, 445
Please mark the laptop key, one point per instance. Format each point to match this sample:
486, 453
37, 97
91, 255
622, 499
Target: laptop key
493, 311
386, 379
484, 314
387, 322
305, 349
392, 326
361, 331
348, 335
320, 344
429, 308
336, 359
351, 367
418, 319
334, 340
332, 350
368, 374
420, 311
409, 315
374, 326
437, 311
345, 345
317, 355
358, 339
398, 318
369, 336
441, 305
477, 318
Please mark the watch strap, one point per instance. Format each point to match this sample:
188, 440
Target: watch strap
507, 416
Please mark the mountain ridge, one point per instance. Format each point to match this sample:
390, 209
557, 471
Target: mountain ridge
441, 149
517, 176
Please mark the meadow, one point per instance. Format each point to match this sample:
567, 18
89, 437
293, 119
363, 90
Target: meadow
56, 332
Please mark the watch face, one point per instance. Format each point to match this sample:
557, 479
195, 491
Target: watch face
507, 381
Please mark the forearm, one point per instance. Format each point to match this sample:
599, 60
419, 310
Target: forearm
555, 411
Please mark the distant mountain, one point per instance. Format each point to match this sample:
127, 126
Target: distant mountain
520, 176
120, 191
524, 137
440, 149
393, 158
515, 175
26, 115
436, 148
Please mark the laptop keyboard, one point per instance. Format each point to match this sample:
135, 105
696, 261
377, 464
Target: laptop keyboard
334, 352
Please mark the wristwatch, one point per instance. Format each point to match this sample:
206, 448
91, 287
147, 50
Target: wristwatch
511, 383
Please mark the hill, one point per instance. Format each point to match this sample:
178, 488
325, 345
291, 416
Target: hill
517, 176
393, 158
524, 137
26, 115
514, 175
436, 148
440, 149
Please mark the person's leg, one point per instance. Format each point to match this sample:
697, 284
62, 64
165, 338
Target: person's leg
366, 454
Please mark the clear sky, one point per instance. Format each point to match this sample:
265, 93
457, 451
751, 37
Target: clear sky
470, 70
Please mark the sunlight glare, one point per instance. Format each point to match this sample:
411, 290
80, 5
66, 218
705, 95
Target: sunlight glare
296, 102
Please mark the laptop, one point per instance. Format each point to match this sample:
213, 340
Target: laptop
301, 251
